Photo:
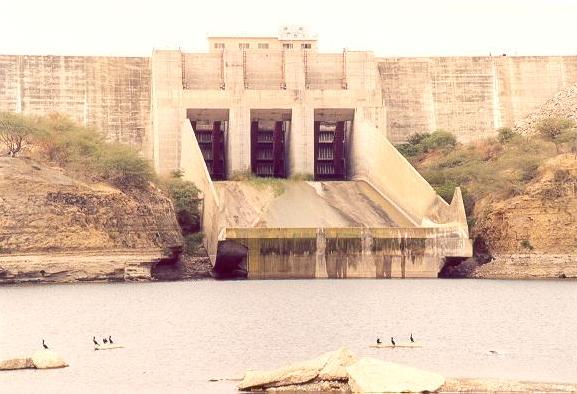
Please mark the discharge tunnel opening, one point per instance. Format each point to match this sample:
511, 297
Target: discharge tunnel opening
332, 130
269, 130
211, 130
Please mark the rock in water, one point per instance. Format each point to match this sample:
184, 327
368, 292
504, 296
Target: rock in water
328, 366
336, 366
44, 359
370, 375
16, 363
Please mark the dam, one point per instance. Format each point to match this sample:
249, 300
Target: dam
291, 147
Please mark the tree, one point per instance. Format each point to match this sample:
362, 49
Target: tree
16, 132
551, 128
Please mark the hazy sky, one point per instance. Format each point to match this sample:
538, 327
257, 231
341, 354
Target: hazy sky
387, 27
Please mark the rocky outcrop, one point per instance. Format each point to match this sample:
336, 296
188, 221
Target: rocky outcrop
45, 359
543, 219
42, 359
342, 371
370, 375
562, 105
327, 367
16, 363
54, 228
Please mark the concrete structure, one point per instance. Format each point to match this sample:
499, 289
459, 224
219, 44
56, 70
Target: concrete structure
289, 38
298, 114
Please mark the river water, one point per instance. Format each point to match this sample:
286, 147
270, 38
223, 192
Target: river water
179, 335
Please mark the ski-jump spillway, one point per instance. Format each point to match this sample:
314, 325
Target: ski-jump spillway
385, 222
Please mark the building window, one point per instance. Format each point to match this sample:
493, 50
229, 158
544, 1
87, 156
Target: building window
306, 46
262, 46
287, 45
219, 45
243, 45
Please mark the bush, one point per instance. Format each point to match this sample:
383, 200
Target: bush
417, 138
505, 134
551, 128
123, 167
446, 190
409, 150
17, 132
193, 242
439, 140
185, 198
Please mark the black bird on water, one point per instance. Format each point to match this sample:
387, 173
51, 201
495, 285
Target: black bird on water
95, 342
412, 340
44, 345
393, 341
379, 341
110, 339
105, 341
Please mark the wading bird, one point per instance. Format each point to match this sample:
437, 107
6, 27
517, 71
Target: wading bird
95, 342
392, 341
44, 345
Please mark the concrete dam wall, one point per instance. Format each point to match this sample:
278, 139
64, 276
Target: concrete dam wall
468, 96
111, 94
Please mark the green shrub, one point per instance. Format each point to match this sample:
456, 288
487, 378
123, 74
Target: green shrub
505, 134
193, 242
551, 128
17, 132
409, 150
446, 190
184, 195
439, 140
123, 167
417, 138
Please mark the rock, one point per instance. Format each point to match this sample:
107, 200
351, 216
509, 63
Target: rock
43, 359
336, 366
370, 375
331, 366
16, 363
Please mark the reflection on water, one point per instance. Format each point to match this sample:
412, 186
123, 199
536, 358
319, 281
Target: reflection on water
177, 336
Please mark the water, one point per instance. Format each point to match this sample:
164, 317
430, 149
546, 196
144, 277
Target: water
179, 335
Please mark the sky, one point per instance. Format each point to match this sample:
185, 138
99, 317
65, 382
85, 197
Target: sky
387, 27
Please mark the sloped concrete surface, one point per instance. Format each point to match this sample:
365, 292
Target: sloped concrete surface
306, 204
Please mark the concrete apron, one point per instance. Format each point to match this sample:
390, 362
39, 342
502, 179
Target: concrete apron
290, 253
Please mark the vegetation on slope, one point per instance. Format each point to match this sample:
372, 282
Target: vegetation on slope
84, 153
490, 170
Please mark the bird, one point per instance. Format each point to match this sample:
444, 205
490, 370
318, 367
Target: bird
412, 340
378, 341
393, 341
110, 339
95, 342
105, 341
44, 345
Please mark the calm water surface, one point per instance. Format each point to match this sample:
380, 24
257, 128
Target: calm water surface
179, 335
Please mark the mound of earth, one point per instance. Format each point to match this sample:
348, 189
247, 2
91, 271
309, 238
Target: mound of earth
56, 228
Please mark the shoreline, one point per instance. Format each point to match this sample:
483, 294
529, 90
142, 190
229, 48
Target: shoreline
28, 268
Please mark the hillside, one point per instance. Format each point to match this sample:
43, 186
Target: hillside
520, 195
56, 228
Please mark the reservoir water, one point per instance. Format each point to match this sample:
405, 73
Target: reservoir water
179, 335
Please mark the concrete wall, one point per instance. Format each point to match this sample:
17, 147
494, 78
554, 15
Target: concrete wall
348, 252
254, 80
109, 93
194, 168
374, 159
469, 96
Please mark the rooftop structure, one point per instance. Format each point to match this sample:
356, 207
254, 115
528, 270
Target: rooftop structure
289, 38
